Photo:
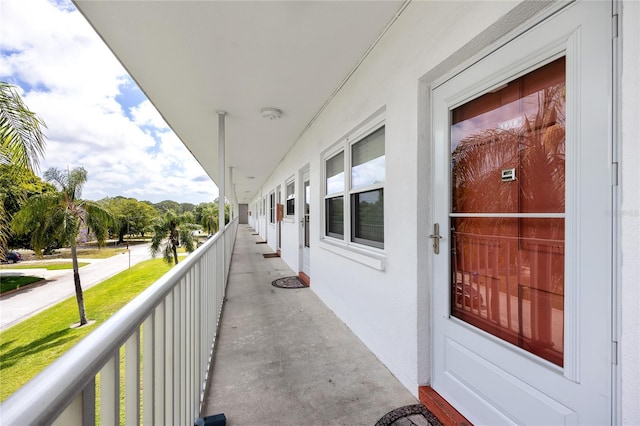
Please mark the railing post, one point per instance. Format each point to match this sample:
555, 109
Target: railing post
132, 379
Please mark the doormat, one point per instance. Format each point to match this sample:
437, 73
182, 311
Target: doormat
261, 242
255, 234
270, 255
288, 282
416, 415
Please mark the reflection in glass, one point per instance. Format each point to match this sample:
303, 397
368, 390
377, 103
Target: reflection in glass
335, 174
368, 214
307, 197
368, 160
508, 156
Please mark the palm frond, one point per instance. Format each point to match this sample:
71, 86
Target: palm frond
22, 140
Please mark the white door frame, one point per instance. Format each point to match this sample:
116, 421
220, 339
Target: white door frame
576, 326
305, 252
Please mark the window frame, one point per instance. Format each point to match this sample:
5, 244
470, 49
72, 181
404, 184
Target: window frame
272, 202
345, 145
334, 195
290, 199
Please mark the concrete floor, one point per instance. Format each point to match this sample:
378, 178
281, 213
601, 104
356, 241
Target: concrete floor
284, 358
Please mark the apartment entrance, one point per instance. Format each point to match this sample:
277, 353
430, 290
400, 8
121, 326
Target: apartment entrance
305, 225
522, 242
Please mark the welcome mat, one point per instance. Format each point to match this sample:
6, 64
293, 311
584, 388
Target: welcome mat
270, 255
409, 415
261, 242
288, 282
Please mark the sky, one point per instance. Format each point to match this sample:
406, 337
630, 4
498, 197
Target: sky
96, 116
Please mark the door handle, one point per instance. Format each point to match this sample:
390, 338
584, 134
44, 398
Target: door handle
436, 238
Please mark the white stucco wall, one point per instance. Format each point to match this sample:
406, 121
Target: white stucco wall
386, 309
381, 307
629, 215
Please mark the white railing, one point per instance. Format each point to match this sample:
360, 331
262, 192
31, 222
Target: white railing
162, 341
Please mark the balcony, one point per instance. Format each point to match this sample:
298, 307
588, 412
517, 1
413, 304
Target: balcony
189, 346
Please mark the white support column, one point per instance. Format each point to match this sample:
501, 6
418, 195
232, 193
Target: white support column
232, 195
221, 183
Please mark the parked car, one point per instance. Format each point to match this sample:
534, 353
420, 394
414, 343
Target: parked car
13, 257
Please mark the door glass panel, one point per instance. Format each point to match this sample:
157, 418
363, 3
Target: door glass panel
307, 196
508, 160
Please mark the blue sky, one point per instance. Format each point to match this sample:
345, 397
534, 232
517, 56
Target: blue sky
96, 116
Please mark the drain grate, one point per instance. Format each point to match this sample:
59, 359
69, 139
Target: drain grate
288, 282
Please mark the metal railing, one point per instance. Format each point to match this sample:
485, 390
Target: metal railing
157, 350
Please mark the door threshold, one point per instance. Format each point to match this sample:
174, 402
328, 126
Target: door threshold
304, 278
444, 411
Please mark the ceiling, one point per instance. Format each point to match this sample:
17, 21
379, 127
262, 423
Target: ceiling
195, 58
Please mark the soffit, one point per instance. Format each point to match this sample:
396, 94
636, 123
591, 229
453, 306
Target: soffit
194, 58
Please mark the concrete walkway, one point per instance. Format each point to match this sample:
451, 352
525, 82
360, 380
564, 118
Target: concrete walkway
283, 358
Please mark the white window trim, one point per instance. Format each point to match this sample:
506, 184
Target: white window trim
365, 254
290, 217
271, 207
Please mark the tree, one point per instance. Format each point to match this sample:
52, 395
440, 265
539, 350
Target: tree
132, 217
169, 232
187, 207
168, 205
22, 143
16, 186
208, 215
59, 215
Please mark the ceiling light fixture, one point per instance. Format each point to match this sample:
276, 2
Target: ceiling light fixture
271, 113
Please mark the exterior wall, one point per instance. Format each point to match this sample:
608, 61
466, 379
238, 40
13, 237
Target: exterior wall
381, 307
389, 309
629, 216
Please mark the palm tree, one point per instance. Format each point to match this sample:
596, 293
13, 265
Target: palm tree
169, 232
21, 142
59, 216
209, 220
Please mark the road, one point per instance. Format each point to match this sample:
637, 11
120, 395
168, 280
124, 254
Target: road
19, 306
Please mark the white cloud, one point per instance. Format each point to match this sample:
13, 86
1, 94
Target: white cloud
145, 114
73, 82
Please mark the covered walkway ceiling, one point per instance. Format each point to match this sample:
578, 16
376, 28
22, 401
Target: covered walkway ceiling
194, 58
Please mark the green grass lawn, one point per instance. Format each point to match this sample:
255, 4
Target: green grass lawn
94, 252
9, 283
50, 266
30, 346
13, 282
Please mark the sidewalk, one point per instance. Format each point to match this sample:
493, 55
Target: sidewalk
283, 358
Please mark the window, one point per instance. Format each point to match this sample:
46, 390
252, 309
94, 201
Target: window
334, 201
357, 195
272, 202
367, 192
291, 198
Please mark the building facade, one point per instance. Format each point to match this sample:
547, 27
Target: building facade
465, 198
